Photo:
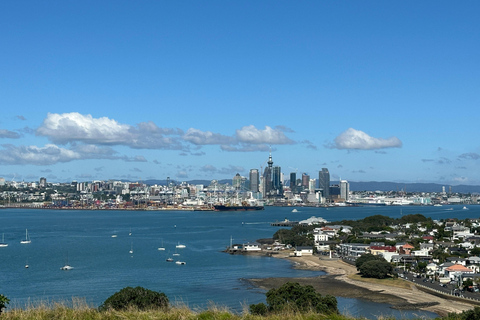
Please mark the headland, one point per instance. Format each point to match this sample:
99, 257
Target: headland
341, 281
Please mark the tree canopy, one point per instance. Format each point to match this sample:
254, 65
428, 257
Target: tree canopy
293, 296
137, 297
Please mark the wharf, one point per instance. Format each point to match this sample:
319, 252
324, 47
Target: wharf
284, 223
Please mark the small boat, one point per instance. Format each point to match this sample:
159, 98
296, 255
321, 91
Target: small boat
114, 235
176, 254
27, 239
465, 208
294, 210
162, 248
169, 260
131, 249
66, 266
3, 244
180, 262
180, 246
130, 233
26, 265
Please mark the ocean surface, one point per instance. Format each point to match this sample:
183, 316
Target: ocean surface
103, 264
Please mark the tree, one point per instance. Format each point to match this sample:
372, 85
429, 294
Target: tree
3, 302
293, 296
365, 258
137, 297
376, 269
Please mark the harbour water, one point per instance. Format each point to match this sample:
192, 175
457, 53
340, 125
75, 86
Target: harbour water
103, 264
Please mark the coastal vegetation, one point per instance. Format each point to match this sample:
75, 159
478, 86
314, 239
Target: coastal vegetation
373, 266
138, 297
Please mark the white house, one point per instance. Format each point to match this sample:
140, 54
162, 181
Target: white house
251, 247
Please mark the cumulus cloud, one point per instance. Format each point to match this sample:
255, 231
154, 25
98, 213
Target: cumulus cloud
51, 154
75, 127
252, 135
231, 170
199, 137
136, 159
359, 140
9, 134
208, 168
71, 128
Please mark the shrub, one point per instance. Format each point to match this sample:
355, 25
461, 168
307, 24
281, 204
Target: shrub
259, 309
3, 302
295, 297
137, 297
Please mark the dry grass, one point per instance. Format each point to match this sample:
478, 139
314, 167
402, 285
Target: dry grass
399, 283
78, 310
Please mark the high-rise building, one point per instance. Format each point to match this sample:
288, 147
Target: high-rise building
344, 189
277, 180
305, 181
293, 181
324, 183
43, 182
254, 180
237, 181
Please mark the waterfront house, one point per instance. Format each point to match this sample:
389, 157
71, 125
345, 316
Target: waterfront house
251, 246
303, 251
457, 269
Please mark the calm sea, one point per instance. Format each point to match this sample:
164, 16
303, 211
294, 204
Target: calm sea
103, 264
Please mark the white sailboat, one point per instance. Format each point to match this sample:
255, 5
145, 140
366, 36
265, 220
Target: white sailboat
67, 266
131, 249
26, 264
27, 239
162, 248
3, 244
180, 246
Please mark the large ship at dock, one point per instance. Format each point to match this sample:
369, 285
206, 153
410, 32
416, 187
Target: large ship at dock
246, 207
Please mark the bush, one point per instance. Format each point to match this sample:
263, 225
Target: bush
259, 309
376, 269
295, 297
138, 297
3, 302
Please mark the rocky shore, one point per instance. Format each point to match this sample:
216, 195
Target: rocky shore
339, 282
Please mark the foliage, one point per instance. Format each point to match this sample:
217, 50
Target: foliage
414, 218
296, 236
137, 297
467, 282
295, 297
260, 309
376, 269
3, 302
472, 314
365, 258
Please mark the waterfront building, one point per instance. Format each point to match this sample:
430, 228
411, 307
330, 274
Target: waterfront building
324, 182
254, 180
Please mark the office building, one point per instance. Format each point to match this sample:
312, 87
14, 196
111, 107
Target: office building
324, 183
254, 180
344, 189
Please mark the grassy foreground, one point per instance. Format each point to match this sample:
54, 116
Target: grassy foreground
78, 309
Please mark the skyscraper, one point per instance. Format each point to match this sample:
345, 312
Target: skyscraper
293, 181
344, 189
305, 181
277, 180
254, 180
324, 182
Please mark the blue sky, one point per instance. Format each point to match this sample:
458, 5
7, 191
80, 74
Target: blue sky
371, 90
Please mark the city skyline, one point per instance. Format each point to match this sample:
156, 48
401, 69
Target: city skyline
118, 90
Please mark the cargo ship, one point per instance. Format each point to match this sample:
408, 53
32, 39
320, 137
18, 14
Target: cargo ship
223, 207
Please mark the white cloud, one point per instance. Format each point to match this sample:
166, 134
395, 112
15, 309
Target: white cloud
356, 139
251, 135
75, 127
199, 137
51, 154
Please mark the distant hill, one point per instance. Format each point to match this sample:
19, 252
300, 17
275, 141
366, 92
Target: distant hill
362, 186
410, 187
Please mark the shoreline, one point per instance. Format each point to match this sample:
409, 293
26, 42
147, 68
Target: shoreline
337, 282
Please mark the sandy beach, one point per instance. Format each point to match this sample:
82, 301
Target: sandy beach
338, 283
